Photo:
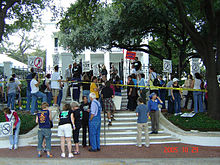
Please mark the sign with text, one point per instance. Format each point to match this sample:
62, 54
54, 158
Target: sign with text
56, 59
167, 66
6, 129
86, 67
95, 69
35, 62
117, 102
130, 55
195, 65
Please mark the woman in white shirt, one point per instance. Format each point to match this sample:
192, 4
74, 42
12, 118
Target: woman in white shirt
197, 95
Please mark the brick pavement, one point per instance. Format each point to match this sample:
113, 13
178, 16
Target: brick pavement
173, 150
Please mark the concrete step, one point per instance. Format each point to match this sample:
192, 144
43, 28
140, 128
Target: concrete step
121, 142
116, 135
128, 130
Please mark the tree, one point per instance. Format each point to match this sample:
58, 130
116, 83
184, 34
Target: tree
19, 14
206, 39
124, 24
187, 26
26, 46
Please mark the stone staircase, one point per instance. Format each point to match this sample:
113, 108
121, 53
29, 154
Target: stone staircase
122, 132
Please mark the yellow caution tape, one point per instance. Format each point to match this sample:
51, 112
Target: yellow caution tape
137, 86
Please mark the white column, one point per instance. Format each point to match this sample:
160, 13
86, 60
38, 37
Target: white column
126, 67
66, 60
88, 55
107, 63
7, 69
145, 64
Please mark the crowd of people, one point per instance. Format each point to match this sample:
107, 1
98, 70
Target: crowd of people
144, 98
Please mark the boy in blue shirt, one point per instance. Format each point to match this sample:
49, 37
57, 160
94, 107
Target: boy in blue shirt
142, 113
154, 112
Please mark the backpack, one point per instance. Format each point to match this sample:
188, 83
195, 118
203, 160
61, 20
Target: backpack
43, 86
156, 81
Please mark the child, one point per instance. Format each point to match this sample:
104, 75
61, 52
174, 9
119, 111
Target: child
65, 129
11, 90
12, 116
77, 119
85, 108
44, 119
176, 96
143, 113
154, 112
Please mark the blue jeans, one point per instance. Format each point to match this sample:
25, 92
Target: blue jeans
11, 100
197, 96
117, 93
177, 102
162, 95
28, 95
59, 97
34, 100
14, 138
44, 133
49, 97
86, 93
94, 134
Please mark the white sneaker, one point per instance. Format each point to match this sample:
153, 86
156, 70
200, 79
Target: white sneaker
20, 108
63, 155
180, 113
147, 146
15, 146
71, 155
139, 146
10, 147
175, 114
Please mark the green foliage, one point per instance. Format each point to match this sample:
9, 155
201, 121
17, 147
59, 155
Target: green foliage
27, 121
200, 122
20, 14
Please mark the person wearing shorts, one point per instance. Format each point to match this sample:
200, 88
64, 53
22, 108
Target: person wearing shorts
66, 121
77, 120
108, 104
55, 84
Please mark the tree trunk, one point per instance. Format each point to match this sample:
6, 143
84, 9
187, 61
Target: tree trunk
213, 87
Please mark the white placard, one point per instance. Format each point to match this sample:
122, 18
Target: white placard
6, 129
195, 65
86, 67
56, 59
188, 115
117, 102
35, 62
95, 69
167, 66
31, 61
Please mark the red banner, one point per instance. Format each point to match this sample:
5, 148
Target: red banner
130, 55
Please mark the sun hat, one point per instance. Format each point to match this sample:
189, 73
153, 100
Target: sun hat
175, 80
152, 94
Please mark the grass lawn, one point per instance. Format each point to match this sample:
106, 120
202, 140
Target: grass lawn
200, 122
27, 121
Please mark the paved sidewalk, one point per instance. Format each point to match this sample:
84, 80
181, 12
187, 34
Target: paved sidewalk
155, 161
173, 150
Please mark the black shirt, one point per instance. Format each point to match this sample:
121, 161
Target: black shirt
117, 87
104, 72
86, 86
107, 92
77, 116
137, 65
85, 114
77, 71
65, 117
176, 91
